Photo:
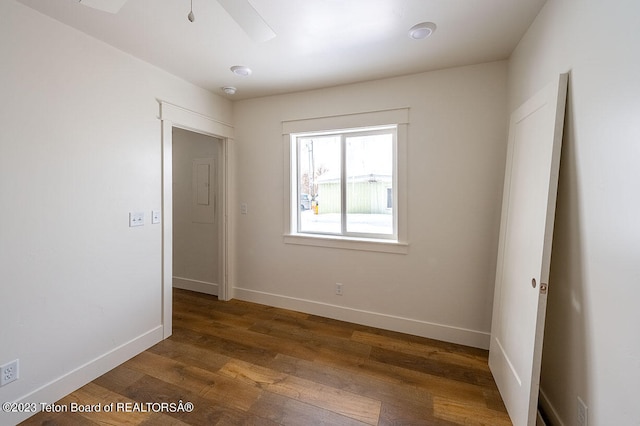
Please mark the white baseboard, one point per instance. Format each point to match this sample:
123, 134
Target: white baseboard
549, 410
73, 380
195, 285
446, 333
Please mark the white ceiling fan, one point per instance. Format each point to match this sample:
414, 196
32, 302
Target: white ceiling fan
240, 10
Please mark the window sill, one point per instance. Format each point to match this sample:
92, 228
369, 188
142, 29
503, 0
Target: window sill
347, 243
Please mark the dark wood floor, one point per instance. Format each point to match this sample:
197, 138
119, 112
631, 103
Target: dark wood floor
240, 363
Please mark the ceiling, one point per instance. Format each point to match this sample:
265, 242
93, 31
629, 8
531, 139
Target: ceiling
319, 43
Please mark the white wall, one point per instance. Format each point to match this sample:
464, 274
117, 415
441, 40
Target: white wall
457, 144
592, 341
195, 242
80, 147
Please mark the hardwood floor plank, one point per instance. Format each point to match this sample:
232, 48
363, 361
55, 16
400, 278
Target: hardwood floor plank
423, 350
310, 339
342, 402
383, 372
346, 403
286, 411
410, 414
467, 414
247, 337
190, 354
205, 412
207, 384
185, 311
387, 383
194, 379
118, 379
351, 381
436, 384
494, 400
433, 367
445, 346
231, 349
251, 374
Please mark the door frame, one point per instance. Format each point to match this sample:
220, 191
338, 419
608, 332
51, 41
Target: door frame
174, 116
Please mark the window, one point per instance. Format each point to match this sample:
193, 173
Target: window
347, 187
347, 175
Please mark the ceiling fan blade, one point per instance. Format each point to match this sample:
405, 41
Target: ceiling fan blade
111, 6
249, 19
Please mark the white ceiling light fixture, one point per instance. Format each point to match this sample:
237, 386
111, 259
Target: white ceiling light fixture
241, 70
422, 30
229, 90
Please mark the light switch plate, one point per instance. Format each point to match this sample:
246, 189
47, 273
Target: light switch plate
155, 216
136, 219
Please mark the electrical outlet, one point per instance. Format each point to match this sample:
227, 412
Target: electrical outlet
9, 372
339, 289
582, 413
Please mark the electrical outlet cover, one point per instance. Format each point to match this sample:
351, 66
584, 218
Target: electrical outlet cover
9, 372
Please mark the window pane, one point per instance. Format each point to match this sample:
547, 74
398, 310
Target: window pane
369, 174
319, 184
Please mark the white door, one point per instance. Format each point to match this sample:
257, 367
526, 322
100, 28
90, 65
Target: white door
524, 253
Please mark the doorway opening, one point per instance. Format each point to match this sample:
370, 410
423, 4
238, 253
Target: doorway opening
196, 217
196, 125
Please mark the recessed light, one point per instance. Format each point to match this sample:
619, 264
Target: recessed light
229, 90
422, 30
241, 70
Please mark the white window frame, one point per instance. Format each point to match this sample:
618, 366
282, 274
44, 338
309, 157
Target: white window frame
343, 135
398, 118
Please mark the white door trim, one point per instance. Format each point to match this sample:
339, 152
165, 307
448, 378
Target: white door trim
175, 116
